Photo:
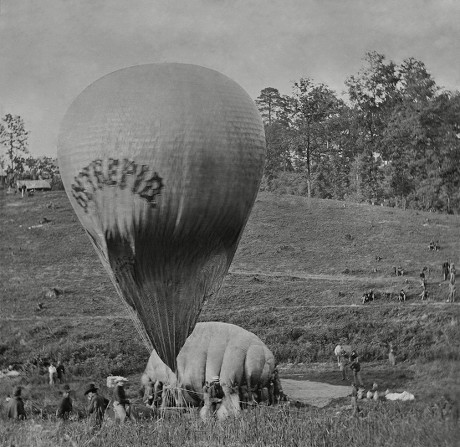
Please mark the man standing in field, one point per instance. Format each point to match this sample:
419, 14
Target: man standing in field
356, 369
452, 273
424, 294
15, 409
277, 387
97, 405
354, 400
343, 362
392, 356
445, 270
120, 402
65, 406
402, 295
52, 373
60, 371
452, 292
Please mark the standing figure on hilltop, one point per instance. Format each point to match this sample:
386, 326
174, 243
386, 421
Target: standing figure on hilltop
60, 371
392, 355
426, 272
452, 273
402, 295
52, 371
424, 294
445, 270
452, 292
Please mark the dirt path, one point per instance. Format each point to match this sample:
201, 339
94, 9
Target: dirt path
252, 308
301, 275
325, 306
245, 309
65, 318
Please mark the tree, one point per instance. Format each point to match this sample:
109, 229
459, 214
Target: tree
315, 105
439, 183
41, 167
421, 142
14, 137
276, 113
273, 106
374, 94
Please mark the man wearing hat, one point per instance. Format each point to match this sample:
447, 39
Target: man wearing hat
15, 409
120, 402
65, 406
97, 404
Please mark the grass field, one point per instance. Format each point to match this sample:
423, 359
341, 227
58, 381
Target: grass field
296, 282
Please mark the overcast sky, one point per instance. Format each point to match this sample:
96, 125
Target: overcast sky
50, 50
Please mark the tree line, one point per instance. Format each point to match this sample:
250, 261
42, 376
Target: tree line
394, 140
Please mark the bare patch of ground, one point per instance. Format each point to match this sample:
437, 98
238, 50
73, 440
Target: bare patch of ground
317, 394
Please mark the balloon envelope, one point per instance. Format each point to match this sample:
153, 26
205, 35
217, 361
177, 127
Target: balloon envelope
162, 164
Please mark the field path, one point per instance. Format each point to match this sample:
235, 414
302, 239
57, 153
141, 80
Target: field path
74, 318
243, 309
297, 275
318, 276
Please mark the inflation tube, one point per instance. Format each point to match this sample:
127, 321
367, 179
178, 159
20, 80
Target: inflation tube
162, 164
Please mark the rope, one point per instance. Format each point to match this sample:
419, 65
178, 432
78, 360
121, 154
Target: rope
178, 388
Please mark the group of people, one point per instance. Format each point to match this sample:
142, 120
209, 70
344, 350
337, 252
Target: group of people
448, 272
349, 360
368, 296
56, 373
154, 396
96, 407
213, 393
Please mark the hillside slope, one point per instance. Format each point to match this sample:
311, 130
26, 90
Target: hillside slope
296, 281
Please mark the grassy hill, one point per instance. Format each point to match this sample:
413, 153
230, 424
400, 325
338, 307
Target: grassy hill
296, 281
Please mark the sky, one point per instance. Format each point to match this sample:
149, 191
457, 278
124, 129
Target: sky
50, 50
